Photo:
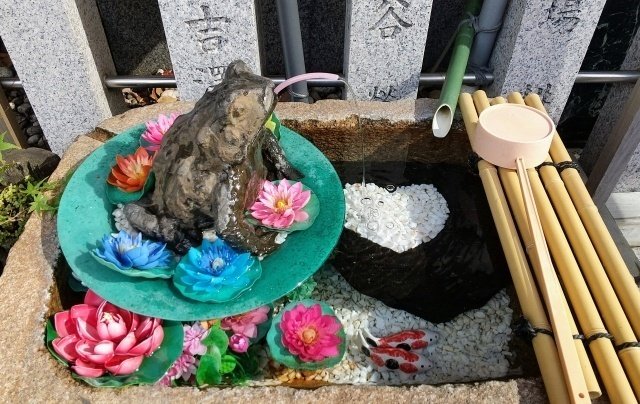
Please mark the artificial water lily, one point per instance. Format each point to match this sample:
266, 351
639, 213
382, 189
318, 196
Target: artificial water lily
280, 205
126, 253
247, 323
131, 172
215, 272
152, 137
309, 334
97, 337
193, 336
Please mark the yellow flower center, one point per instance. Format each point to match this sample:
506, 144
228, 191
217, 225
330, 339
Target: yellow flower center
281, 205
309, 335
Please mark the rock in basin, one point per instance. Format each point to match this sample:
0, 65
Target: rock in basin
459, 270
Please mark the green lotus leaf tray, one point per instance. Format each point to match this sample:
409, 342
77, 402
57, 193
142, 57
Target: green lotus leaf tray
85, 216
282, 355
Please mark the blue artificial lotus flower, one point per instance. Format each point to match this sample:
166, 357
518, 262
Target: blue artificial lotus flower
132, 256
215, 272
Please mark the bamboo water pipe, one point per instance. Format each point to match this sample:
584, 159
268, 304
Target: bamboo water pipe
511, 186
553, 298
618, 273
543, 344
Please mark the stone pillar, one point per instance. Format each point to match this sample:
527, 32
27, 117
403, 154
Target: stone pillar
541, 46
60, 53
204, 36
607, 119
384, 47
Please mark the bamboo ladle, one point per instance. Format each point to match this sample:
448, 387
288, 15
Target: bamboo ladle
519, 137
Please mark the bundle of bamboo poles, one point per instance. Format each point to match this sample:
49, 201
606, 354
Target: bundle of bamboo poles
599, 289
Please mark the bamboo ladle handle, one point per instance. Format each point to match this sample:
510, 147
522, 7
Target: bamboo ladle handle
551, 293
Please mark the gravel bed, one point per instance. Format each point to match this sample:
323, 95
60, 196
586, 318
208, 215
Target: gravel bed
399, 220
473, 346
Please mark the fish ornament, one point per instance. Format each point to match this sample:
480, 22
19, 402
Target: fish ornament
409, 340
398, 351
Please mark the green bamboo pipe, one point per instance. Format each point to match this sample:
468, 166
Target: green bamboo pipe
443, 118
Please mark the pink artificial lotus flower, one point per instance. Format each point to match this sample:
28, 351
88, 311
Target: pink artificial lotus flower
193, 336
246, 324
184, 367
97, 337
239, 343
279, 206
155, 131
309, 334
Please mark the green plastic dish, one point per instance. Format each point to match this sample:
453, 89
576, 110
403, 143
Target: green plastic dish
84, 217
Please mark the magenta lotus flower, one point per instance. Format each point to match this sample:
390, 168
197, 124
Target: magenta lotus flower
155, 131
280, 205
246, 324
239, 343
309, 334
97, 337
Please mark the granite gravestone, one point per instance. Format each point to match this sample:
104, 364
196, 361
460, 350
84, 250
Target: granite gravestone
60, 53
204, 37
540, 48
384, 47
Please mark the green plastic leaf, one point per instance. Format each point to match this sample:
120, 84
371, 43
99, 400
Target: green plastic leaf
115, 195
282, 355
273, 125
312, 208
152, 368
158, 272
208, 372
228, 364
218, 338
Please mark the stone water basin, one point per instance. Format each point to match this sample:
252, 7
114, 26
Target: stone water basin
477, 346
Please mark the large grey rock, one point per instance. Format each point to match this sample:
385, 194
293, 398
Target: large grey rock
205, 36
541, 47
384, 49
60, 53
211, 162
37, 163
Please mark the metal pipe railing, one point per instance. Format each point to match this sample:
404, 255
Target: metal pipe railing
432, 79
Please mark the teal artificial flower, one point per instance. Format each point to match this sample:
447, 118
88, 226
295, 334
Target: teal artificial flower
132, 256
215, 272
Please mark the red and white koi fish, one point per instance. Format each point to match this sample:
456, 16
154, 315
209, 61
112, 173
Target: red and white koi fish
395, 358
409, 340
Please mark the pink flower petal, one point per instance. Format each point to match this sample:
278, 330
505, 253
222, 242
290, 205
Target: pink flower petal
123, 365
87, 369
301, 200
92, 299
86, 330
66, 347
301, 216
126, 344
63, 324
